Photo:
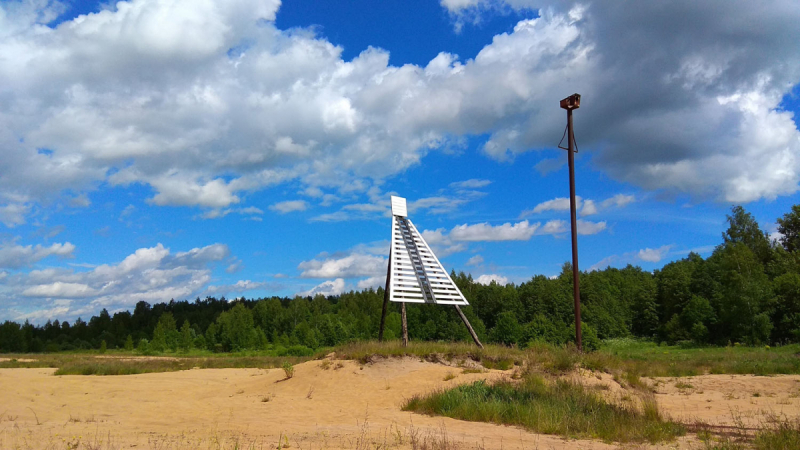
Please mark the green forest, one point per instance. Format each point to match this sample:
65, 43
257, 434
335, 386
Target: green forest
747, 292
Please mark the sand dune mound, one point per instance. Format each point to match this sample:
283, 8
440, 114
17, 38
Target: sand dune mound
326, 404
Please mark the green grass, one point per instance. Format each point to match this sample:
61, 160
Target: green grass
629, 359
777, 433
492, 356
649, 359
128, 363
784, 435
548, 406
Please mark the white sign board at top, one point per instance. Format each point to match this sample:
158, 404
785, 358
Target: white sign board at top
399, 207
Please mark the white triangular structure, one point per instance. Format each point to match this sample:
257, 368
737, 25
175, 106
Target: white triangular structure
415, 274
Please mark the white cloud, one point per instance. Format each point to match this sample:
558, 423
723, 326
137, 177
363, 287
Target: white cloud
473, 183
372, 282
13, 214
556, 204
330, 287
653, 255
152, 274
618, 201
238, 287
475, 260
441, 244
488, 279
250, 211
706, 110
127, 211
350, 266
589, 208
289, 206
553, 227
605, 262
60, 289
521, 231
646, 254
206, 101
586, 227
13, 256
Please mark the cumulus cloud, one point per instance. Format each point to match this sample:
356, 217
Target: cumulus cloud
250, 211
475, 260
587, 207
289, 206
556, 204
690, 117
441, 244
349, 266
521, 231
553, 227
586, 227
14, 256
372, 282
473, 183
649, 255
653, 255
60, 289
238, 287
152, 274
13, 214
330, 287
205, 101
489, 278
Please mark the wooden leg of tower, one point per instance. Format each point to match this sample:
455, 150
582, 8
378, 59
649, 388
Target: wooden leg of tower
405, 326
469, 327
385, 297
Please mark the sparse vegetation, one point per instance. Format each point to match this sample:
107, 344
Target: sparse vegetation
552, 406
288, 369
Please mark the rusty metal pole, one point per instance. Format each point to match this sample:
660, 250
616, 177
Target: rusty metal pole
570, 103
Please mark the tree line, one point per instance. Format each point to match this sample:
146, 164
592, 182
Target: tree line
747, 291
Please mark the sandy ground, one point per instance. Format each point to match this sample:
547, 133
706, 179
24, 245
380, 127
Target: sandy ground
347, 405
730, 400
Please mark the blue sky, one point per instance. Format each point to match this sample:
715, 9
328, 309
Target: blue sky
176, 149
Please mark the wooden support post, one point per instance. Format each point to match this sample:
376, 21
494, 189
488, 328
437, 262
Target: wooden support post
405, 325
469, 327
385, 297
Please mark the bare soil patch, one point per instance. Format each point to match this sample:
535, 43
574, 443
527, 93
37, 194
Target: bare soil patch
328, 404
24, 360
729, 400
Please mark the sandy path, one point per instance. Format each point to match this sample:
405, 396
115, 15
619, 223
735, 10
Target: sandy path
728, 399
353, 406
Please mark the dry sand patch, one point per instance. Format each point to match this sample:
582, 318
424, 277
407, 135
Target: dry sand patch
729, 399
333, 404
23, 360
352, 406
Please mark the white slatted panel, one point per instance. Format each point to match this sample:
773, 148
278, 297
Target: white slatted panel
416, 274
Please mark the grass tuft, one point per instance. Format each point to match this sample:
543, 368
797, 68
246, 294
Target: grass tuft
548, 406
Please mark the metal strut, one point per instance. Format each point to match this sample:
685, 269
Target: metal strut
416, 260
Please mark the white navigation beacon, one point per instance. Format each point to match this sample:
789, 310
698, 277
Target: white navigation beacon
415, 274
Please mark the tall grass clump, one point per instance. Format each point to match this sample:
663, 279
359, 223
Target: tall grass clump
491, 356
547, 406
779, 435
